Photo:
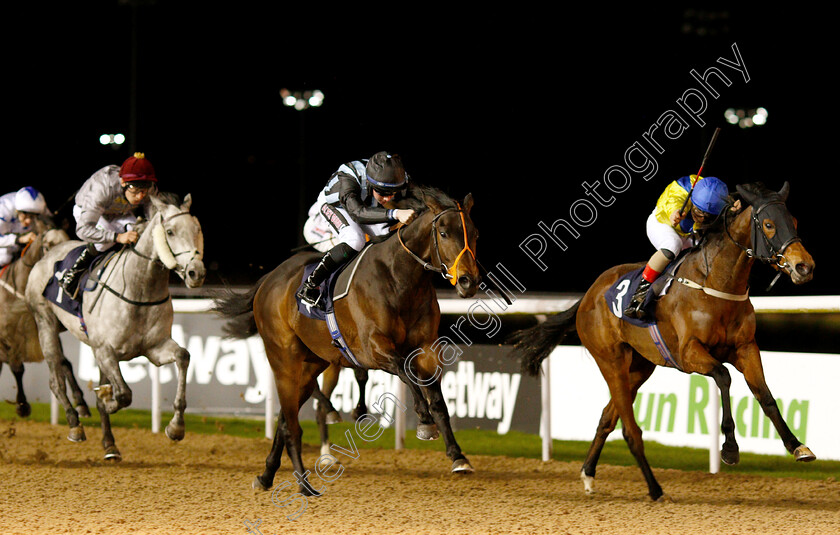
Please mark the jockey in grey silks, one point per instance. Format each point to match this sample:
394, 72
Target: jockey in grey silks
350, 206
107, 206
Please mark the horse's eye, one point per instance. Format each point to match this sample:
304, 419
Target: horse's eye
169, 232
442, 234
768, 226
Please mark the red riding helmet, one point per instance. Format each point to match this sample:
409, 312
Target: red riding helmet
136, 168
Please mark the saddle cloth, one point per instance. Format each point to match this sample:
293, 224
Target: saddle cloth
336, 287
87, 283
619, 294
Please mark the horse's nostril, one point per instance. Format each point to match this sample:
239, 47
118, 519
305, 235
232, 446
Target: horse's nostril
803, 268
464, 281
191, 273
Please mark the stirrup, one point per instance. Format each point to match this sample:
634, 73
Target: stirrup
309, 297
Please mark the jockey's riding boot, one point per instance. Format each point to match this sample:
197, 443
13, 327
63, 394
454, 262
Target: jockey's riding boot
634, 309
70, 279
310, 292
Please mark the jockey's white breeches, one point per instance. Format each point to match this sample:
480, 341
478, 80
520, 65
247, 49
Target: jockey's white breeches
664, 236
329, 225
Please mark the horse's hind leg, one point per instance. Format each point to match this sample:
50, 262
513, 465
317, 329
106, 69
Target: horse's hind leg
361, 407
78, 396
616, 371
22, 407
640, 370
748, 362
51, 348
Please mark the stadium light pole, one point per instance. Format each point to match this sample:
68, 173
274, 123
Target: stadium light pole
302, 101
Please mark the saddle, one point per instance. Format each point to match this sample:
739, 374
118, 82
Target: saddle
88, 281
336, 287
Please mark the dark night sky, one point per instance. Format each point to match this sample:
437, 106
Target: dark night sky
518, 108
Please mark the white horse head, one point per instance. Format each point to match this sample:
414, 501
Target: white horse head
178, 240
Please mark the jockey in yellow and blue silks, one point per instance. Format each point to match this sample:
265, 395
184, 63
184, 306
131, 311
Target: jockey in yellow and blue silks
672, 229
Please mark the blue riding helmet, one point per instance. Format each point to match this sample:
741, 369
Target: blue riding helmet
710, 195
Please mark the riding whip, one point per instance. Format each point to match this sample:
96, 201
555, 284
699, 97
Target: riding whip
702, 165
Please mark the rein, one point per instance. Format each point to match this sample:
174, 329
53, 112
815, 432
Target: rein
448, 273
154, 261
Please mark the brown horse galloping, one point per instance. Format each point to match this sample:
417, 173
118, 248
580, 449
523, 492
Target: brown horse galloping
390, 313
702, 327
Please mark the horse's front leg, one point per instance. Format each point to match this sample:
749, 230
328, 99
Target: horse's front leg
361, 407
697, 359
164, 353
423, 372
113, 390
109, 444
748, 362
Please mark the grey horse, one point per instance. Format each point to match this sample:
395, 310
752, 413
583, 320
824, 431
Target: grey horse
127, 315
18, 333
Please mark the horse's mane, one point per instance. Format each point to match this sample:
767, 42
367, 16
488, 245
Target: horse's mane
416, 198
150, 210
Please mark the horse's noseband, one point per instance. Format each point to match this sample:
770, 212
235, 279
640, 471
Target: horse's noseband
448, 273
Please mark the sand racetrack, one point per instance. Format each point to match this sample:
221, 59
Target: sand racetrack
203, 485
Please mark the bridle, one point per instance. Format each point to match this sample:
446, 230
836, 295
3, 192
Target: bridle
767, 250
448, 273
181, 270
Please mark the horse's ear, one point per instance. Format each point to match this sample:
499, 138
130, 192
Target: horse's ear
158, 203
783, 193
745, 194
185, 206
468, 203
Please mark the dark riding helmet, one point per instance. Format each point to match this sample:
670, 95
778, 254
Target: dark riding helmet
385, 173
138, 169
710, 195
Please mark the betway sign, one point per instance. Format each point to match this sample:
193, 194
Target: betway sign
481, 390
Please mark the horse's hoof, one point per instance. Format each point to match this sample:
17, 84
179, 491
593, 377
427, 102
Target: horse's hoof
112, 454
802, 453
77, 434
23, 409
664, 499
307, 490
333, 418
325, 448
83, 411
257, 484
730, 456
462, 466
588, 482
427, 432
175, 432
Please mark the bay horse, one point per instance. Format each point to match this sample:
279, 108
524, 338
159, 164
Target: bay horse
390, 313
704, 324
128, 314
18, 333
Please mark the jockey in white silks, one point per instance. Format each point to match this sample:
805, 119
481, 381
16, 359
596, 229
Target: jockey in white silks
18, 209
350, 206
672, 229
106, 210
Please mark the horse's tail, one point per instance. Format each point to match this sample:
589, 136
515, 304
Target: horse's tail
239, 309
534, 345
